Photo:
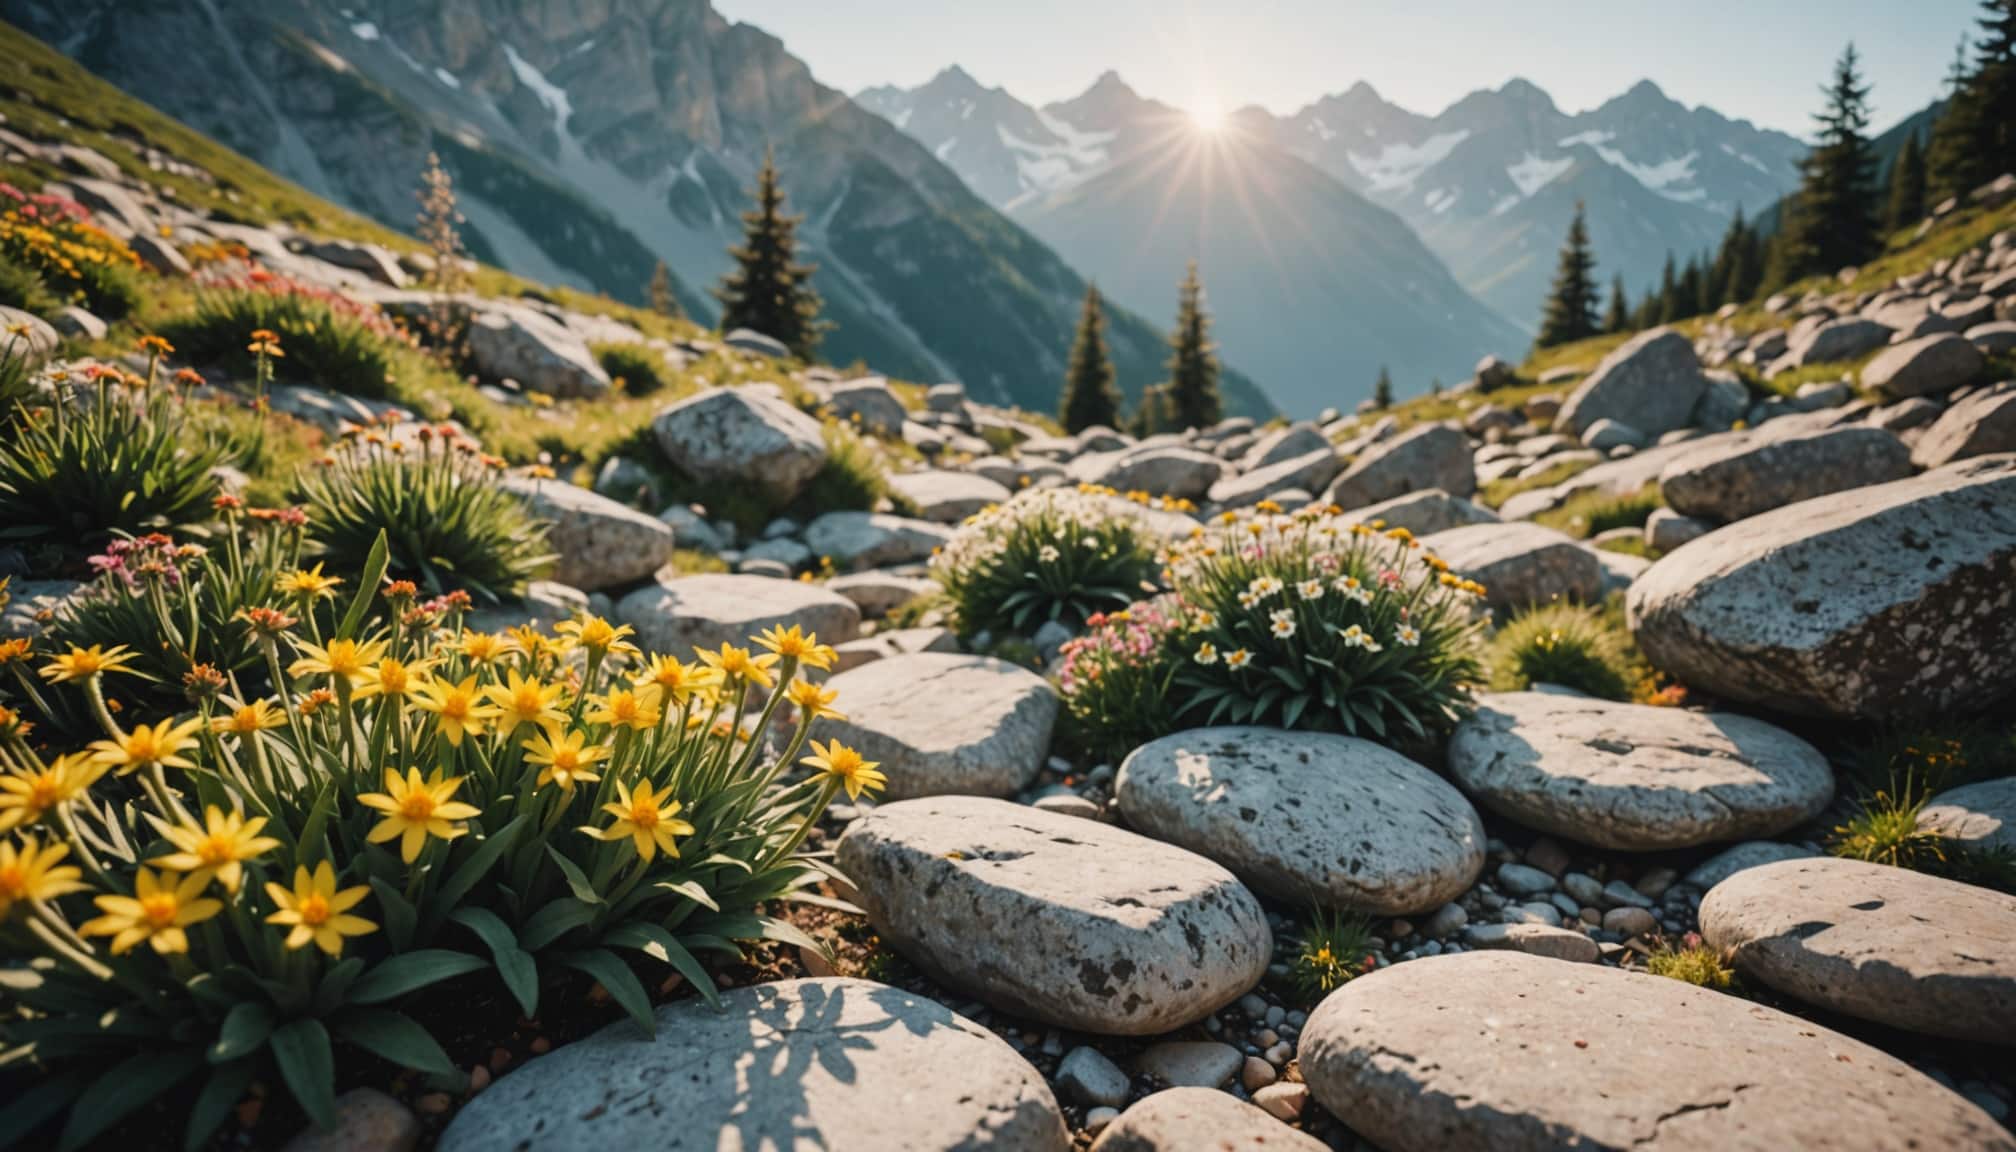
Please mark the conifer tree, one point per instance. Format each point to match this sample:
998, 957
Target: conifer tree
1830, 223
769, 290
1089, 395
1382, 390
1152, 414
1907, 186
1669, 293
1570, 311
1192, 396
1974, 139
1617, 318
663, 301
1687, 290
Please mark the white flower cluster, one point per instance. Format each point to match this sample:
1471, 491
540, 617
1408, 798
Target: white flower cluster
1062, 518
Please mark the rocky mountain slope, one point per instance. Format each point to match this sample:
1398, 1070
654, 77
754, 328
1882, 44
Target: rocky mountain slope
1313, 288
1488, 183
591, 141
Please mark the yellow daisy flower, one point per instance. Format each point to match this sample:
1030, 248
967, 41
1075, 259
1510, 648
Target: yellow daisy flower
563, 758
416, 809
346, 659
314, 910
486, 647
162, 744
677, 681
310, 584
649, 820
391, 677
521, 701
812, 701
248, 719
157, 912
458, 708
598, 635
25, 796
804, 646
221, 846
844, 764
736, 664
84, 663
31, 872
633, 708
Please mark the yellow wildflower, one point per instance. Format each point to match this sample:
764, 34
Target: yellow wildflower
157, 912
458, 706
649, 820
636, 708
598, 635
248, 719
391, 677
25, 796
845, 765
162, 744
812, 701
676, 680
416, 809
310, 583
522, 701
221, 846
792, 642
346, 659
32, 872
736, 664
84, 663
563, 758
314, 910
486, 647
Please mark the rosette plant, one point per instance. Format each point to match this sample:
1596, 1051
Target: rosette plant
252, 886
1059, 554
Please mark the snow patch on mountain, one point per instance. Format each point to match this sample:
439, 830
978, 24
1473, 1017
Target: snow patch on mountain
1533, 173
550, 94
364, 30
1672, 178
1397, 165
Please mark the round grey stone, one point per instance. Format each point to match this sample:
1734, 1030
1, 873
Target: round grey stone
789, 1066
1200, 1120
1308, 815
1886, 944
944, 723
1980, 816
1634, 777
1521, 563
676, 614
1502, 1052
1070, 922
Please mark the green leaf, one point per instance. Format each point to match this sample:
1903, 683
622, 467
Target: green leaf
785, 932
519, 971
554, 921
690, 889
400, 917
477, 865
409, 972
367, 589
396, 1038
309, 849
578, 883
335, 987
224, 1088
244, 1032
130, 1084
301, 1048
656, 942
37, 1103
617, 979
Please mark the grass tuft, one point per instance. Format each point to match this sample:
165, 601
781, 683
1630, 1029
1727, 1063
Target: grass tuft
1573, 645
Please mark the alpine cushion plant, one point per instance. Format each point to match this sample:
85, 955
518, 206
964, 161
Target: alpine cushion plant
242, 891
449, 524
1059, 554
1115, 678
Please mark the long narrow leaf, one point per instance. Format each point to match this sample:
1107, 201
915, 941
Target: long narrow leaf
129, 1085
617, 979
301, 1049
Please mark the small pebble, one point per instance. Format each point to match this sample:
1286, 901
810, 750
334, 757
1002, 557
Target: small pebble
1275, 1014
433, 1103
1257, 1074
1548, 855
479, 1079
1098, 1118
1282, 1101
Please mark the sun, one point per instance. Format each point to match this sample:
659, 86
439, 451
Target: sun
1208, 119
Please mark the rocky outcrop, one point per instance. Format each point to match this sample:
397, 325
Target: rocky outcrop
1738, 476
946, 724
1431, 456
597, 543
1651, 383
1520, 564
1926, 366
511, 343
742, 436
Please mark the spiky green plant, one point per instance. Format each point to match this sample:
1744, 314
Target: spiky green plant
1884, 830
1572, 645
1334, 950
449, 524
1692, 962
1062, 554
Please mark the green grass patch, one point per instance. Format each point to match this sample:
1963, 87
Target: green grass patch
1587, 514
1497, 492
1628, 546
1573, 645
635, 369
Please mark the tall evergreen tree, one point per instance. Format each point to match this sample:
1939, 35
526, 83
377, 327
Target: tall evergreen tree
1669, 292
1382, 390
1687, 291
1570, 311
663, 301
1617, 318
1153, 414
1730, 273
1974, 139
1830, 222
769, 290
1907, 186
1089, 395
1193, 370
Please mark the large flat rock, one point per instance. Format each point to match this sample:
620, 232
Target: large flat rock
946, 497
677, 614
1980, 816
1634, 777
748, 437
1651, 382
597, 543
944, 723
1504, 1052
1057, 918
1738, 477
1200, 1120
1423, 512
1308, 816
830, 1065
1521, 564
1880, 943
1886, 600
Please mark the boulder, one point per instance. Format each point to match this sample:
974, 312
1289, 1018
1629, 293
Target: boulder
1879, 943
1890, 600
1632, 777
1721, 405
1164, 470
1306, 816
677, 614
878, 593
1503, 1052
1651, 382
598, 543
946, 497
1200, 1120
1980, 816
893, 642
1492, 372
1750, 854
1844, 339
1926, 366
73, 320
870, 405
515, 343
367, 1120
856, 540
27, 336
1308, 472
1998, 337
1423, 512
1067, 921
1739, 476
1979, 423
1904, 415
747, 437
691, 531
1534, 940
949, 399
1429, 456
543, 604
1666, 529
1520, 563
943, 723
1607, 434
373, 260
785, 1065
750, 340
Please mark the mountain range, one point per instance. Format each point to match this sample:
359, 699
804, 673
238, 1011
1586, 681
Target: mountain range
590, 140
1488, 184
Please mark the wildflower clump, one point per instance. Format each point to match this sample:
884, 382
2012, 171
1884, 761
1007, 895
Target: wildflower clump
53, 238
317, 845
1059, 554
1115, 678
1335, 948
1692, 962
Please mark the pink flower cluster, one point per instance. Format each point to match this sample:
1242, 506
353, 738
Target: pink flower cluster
154, 555
42, 206
1130, 636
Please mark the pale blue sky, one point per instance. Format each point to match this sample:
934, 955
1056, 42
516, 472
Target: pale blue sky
1760, 60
